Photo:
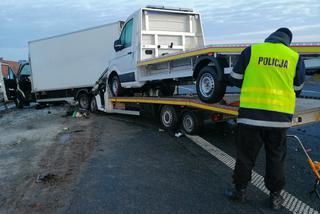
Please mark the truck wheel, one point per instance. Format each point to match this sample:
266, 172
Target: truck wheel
84, 101
209, 88
18, 101
191, 122
93, 105
115, 86
168, 117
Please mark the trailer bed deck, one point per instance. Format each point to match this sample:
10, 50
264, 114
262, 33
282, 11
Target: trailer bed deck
307, 110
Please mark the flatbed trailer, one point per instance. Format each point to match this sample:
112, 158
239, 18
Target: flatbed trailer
188, 111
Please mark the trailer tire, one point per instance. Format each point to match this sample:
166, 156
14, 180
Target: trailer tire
168, 117
191, 122
84, 101
209, 88
115, 86
93, 105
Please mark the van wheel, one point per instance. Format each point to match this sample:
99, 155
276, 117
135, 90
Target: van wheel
168, 117
84, 101
115, 86
93, 105
191, 122
209, 88
18, 101
167, 89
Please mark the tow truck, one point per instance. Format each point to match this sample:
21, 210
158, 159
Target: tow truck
188, 111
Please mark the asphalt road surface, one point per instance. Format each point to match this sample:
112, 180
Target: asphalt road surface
126, 164
138, 169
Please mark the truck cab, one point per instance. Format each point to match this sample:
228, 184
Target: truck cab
17, 87
152, 32
7, 83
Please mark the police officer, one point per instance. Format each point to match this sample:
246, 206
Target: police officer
270, 75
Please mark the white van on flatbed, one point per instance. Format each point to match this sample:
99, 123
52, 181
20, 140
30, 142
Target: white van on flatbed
161, 47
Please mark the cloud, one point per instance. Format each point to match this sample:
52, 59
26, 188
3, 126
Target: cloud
223, 21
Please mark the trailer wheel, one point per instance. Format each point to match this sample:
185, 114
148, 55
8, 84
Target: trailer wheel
191, 122
84, 101
168, 117
93, 105
115, 86
209, 88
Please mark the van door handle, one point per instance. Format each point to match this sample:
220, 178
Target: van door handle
129, 53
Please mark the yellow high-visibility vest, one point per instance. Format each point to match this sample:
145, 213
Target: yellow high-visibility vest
268, 78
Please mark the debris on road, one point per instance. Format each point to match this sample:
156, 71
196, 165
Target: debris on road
80, 114
47, 178
178, 134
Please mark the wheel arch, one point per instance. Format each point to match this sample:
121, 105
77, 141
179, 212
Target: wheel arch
81, 91
112, 73
204, 61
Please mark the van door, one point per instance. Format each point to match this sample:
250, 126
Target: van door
125, 58
10, 84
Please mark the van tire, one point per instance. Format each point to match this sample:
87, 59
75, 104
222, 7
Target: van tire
115, 86
209, 88
93, 105
167, 89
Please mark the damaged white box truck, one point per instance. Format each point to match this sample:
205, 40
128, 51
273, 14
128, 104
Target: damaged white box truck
65, 67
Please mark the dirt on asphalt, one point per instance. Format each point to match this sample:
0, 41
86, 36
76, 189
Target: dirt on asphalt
41, 153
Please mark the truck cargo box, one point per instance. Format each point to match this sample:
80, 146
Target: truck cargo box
73, 60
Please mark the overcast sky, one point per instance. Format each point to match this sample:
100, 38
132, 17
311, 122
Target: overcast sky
224, 21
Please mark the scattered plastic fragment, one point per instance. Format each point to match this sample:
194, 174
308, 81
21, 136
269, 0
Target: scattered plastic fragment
178, 134
49, 177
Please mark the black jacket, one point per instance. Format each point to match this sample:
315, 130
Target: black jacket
258, 117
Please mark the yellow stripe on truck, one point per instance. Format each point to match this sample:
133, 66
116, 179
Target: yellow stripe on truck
177, 102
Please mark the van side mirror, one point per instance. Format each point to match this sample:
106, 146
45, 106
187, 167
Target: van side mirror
117, 45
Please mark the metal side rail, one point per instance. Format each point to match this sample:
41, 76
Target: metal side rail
307, 110
180, 101
301, 48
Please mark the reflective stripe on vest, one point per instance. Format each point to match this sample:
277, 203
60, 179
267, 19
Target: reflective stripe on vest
268, 79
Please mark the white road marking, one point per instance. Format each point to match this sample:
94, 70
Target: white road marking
291, 203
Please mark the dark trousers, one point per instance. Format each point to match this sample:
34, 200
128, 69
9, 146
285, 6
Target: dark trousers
248, 143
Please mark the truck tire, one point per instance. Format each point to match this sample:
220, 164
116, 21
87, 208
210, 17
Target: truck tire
168, 117
84, 101
209, 88
191, 122
18, 101
115, 86
93, 105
